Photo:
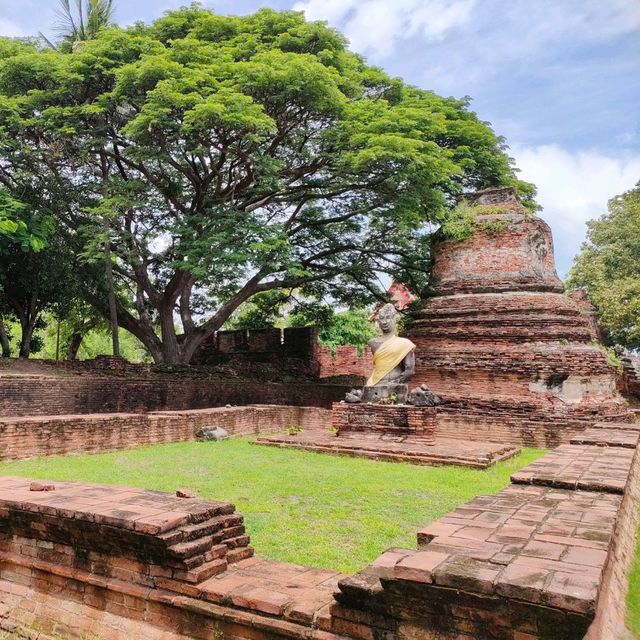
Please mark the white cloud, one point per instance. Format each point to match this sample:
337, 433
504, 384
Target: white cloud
574, 187
374, 26
11, 29
490, 30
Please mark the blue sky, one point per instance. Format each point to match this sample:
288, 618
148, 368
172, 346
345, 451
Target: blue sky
560, 79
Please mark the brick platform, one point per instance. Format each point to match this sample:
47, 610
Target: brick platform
581, 467
608, 436
473, 454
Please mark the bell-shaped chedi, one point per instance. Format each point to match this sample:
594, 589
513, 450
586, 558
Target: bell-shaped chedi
512, 356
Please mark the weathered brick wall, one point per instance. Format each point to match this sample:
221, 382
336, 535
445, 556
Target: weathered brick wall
520, 259
510, 354
91, 394
344, 361
631, 376
518, 422
261, 345
610, 615
28, 437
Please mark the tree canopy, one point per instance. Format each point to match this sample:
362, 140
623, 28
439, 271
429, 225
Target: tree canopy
608, 266
233, 156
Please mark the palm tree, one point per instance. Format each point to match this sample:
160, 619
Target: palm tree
80, 21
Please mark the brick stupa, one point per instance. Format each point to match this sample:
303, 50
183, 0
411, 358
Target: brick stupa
514, 358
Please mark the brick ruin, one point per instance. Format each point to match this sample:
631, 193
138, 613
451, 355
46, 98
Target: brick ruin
546, 558
513, 357
290, 348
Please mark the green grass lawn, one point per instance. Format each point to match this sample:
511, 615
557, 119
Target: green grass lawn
633, 597
314, 509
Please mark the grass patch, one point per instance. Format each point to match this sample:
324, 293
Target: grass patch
314, 509
633, 596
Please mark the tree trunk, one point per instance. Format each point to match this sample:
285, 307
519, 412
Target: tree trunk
28, 325
113, 312
4, 340
170, 347
28, 320
74, 344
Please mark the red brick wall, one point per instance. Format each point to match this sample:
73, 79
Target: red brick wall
28, 437
344, 361
89, 394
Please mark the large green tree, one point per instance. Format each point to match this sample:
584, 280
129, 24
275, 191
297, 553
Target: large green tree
235, 155
22, 238
608, 266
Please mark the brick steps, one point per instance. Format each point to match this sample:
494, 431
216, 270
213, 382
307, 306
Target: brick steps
159, 536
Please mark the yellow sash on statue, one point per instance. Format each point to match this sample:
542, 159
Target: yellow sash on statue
388, 356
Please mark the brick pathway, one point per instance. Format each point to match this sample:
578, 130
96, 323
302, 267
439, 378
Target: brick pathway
168, 538
297, 593
586, 467
535, 544
476, 454
608, 436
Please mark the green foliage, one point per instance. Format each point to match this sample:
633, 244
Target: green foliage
460, 222
96, 342
318, 510
263, 310
351, 327
293, 430
232, 156
463, 220
19, 228
608, 266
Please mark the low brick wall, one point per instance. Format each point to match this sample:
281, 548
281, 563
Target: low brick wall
28, 437
521, 422
91, 394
